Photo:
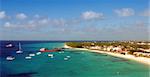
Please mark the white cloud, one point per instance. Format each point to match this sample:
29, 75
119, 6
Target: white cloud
2, 14
44, 21
124, 12
37, 24
88, 15
21, 16
60, 22
7, 24
40, 22
146, 13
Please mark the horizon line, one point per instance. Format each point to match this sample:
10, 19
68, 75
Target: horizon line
75, 40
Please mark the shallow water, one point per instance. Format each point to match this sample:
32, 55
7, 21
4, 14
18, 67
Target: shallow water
80, 64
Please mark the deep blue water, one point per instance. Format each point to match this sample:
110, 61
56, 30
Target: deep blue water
80, 63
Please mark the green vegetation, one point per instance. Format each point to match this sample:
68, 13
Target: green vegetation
126, 45
132, 48
74, 44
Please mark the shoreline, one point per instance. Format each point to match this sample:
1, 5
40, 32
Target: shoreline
142, 60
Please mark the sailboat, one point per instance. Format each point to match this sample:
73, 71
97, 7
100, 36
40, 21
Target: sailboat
19, 51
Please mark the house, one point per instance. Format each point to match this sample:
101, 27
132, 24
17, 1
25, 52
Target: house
95, 47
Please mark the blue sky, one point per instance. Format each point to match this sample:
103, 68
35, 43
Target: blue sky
74, 19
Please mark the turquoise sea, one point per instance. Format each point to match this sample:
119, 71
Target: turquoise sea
80, 64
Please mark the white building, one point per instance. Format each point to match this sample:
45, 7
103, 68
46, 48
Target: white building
116, 49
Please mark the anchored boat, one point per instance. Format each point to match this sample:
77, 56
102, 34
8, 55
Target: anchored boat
10, 58
9, 45
28, 57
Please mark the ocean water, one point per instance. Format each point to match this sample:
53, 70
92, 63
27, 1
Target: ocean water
80, 64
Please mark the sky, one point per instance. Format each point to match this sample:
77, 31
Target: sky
74, 19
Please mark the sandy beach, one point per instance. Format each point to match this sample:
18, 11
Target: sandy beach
143, 60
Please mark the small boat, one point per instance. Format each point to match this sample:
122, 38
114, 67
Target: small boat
61, 52
38, 53
9, 45
52, 50
42, 49
10, 58
65, 58
68, 56
19, 51
31, 54
51, 55
28, 57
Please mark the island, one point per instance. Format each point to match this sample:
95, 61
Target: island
133, 50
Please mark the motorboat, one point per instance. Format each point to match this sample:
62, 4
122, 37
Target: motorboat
9, 45
31, 54
51, 55
68, 56
61, 52
19, 51
38, 53
28, 57
65, 58
42, 49
10, 58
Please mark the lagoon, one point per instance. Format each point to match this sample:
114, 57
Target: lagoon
81, 63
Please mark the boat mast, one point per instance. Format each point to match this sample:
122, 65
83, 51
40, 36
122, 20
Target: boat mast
19, 46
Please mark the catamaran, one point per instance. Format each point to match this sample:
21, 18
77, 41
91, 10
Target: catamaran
19, 51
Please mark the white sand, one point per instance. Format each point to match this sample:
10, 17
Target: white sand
143, 60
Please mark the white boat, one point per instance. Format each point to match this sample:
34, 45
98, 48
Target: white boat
10, 58
42, 49
28, 57
51, 55
9, 45
19, 51
31, 54
68, 56
65, 58
61, 52
38, 53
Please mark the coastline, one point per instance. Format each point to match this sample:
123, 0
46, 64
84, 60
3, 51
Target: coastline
142, 60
